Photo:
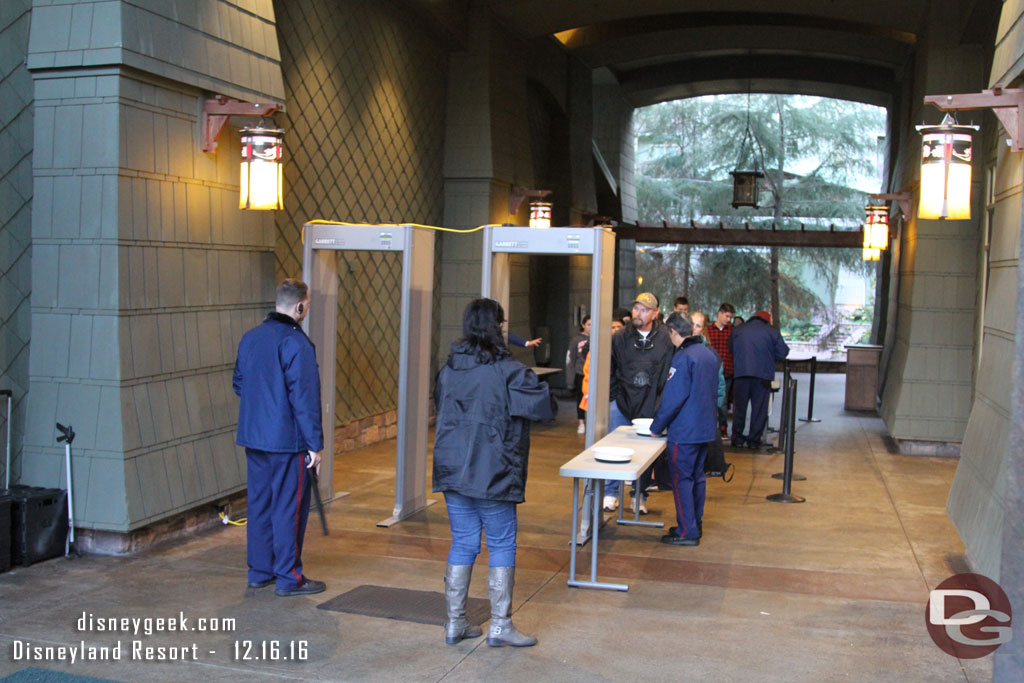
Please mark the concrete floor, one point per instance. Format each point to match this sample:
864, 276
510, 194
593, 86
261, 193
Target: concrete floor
832, 589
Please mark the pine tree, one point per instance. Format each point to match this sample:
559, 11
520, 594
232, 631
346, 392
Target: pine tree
686, 149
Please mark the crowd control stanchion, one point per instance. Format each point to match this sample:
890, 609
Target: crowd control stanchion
783, 422
769, 428
7, 468
787, 440
787, 496
810, 393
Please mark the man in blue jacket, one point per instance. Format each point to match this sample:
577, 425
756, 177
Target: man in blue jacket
689, 410
755, 346
279, 424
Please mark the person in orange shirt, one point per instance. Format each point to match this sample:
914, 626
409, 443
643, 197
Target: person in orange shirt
616, 326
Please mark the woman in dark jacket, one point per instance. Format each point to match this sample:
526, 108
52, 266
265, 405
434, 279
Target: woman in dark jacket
485, 400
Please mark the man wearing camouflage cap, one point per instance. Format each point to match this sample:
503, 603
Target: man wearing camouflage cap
641, 358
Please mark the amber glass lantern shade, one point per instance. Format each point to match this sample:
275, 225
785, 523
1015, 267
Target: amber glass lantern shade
946, 152
261, 173
540, 214
876, 227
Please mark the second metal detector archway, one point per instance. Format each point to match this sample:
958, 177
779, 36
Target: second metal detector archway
599, 243
320, 272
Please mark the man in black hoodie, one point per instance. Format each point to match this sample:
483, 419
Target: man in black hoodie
641, 358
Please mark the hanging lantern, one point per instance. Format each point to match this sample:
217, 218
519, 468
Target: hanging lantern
876, 227
261, 169
745, 187
945, 170
540, 214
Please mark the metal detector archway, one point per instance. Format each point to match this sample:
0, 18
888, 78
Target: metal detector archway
599, 243
320, 272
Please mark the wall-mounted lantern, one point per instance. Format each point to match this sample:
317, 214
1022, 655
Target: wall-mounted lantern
945, 170
261, 173
876, 226
260, 181
540, 214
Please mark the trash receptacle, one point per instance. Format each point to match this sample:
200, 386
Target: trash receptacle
6, 524
39, 523
862, 361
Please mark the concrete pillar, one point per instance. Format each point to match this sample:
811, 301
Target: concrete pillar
927, 396
145, 272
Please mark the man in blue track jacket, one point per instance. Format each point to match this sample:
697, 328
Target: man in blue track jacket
689, 411
279, 424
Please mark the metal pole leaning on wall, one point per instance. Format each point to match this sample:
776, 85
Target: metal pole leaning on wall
810, 393
787, 482
7, 468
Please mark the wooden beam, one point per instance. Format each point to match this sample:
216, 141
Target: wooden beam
844, 239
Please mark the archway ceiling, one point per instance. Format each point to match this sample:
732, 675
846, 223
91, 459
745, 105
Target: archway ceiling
658, 50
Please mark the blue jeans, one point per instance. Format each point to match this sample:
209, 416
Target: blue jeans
615, 420
750, 390
467, 516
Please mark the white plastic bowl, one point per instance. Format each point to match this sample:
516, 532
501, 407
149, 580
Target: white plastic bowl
642, 425
613, 454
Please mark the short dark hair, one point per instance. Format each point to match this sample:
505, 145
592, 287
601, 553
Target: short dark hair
481, 330
681, 301
680, 323
621, 314
290, 292
584, 321
727, 308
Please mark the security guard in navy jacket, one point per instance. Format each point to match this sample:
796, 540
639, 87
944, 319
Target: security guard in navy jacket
279, 424
689, 411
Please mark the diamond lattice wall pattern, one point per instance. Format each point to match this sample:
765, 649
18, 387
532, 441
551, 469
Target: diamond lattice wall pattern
364, 135
15, 215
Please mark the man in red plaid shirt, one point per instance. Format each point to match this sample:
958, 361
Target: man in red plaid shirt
718, 334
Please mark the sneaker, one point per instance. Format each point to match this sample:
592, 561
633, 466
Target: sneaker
307, 587
611, 503
582, 429
643, 505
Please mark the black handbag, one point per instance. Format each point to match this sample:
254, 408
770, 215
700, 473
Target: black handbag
715, 464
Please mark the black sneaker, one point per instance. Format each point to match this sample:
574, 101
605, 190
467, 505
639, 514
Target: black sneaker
307, 587
261, 584
672, 539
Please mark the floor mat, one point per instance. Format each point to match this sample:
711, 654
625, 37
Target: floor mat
422, 607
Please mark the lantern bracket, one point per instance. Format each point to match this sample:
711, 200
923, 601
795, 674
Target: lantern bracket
518, 193
1006, 103
219, 110
904, 199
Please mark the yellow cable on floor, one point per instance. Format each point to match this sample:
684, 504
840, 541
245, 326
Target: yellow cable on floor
224, 518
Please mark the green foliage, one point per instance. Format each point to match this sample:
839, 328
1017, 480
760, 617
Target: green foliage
864, 314
799, 330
